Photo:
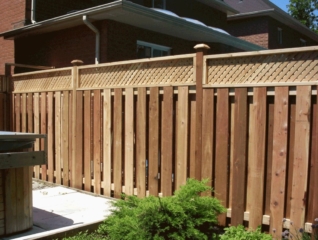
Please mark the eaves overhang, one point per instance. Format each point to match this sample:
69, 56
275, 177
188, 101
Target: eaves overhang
280, 16
136, 15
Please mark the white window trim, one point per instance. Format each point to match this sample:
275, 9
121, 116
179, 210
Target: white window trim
164, 4
154, 46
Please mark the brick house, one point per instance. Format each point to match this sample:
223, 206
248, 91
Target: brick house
53, 33
127, 30
263, 23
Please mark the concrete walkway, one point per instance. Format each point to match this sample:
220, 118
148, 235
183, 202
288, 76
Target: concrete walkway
57, 209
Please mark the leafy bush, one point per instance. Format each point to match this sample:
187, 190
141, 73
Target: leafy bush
185, 215
239, 233
86, 236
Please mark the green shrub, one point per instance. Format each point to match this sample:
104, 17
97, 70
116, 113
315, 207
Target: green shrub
185, 215
86, 236
239, 233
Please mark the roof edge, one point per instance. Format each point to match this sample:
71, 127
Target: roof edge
281, 16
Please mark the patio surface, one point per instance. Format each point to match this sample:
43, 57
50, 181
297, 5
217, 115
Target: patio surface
57, 209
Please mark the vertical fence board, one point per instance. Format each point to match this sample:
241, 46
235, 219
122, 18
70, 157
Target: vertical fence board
301, 155
312, 171
97, 141
182, 137
232, 114
10, 198
77, 161
58, 136
65, 144
239, 167
23, 113
17, 109
192, 163
129, 141
256, 164
50, 136
167, 142
118, 143
43, 131
279, 160
30, 112
207, 136
36, 130
153, 141
222, 149
269, 153
141, 143
87, 140
107, 138
290, 159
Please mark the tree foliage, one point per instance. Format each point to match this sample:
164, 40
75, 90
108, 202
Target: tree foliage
305, 11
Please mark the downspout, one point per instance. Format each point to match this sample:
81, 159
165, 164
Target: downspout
33, 3
97, 44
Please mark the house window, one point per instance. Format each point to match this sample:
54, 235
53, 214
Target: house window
159, 4
303, 42
279, 35
148, 50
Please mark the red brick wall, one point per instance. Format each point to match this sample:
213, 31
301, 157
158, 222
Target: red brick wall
12, 12
253, 30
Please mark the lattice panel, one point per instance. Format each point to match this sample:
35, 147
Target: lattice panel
174, 72
277, 68
46, 81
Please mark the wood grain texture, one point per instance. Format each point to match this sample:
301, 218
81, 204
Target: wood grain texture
207, 136
129, 140
10, 200
153, 139
58, 137
301, 155
269, 153
192, 163
256, 163
222, 157
66, 138
87, 141
239, 154
182, 137
167, 142
118, 142
279, 154
291, 151
313, 186
107, 142
43, 113
36, 105
97, 141
50, 137
141, 143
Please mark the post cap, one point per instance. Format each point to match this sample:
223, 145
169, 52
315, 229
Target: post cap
77, 62
201, 46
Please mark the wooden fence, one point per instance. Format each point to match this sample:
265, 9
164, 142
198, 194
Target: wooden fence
246, 121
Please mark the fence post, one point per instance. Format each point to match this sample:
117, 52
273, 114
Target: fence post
77, 143
201, 50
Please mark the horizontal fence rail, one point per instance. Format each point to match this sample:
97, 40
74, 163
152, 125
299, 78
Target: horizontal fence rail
259, 143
